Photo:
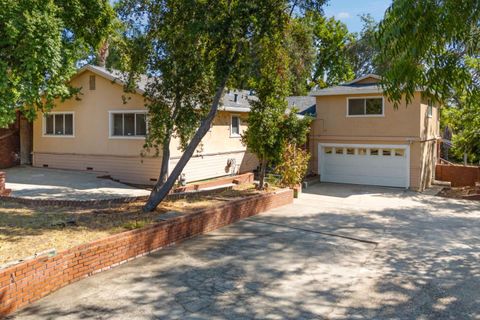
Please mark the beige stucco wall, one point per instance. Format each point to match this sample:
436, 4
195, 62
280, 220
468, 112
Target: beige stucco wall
406, 125
92, 147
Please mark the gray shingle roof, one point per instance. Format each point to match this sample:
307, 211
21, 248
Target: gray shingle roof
233, 100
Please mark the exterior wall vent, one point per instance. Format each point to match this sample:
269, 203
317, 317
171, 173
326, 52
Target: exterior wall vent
92, 82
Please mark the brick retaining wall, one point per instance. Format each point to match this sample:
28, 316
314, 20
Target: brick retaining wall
29, 281
458, 175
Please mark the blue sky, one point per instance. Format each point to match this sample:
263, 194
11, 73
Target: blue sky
348, 11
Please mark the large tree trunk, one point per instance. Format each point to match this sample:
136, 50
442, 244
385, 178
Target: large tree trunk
158, 194
262, 173
162, 178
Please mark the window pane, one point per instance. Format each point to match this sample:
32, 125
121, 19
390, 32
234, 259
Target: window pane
69, 124
362, 151
339, 150
141, 124
374, 106
118, 124
49, 124
350, 151
386, 152
328, 150
430, 111
59, 124
399, 152
374, 152
356, 107
129, 124
235, 126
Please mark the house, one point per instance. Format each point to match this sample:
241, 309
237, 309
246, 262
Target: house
101, 133
359, 137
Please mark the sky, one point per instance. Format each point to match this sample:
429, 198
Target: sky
348, 11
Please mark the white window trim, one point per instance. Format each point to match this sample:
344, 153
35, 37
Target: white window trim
234, 135
110, 125
366, 115
44, 125
368, 146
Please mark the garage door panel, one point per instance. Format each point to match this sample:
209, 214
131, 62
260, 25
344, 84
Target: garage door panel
382, 170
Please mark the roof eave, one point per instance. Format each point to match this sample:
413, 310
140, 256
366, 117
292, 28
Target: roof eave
105, 75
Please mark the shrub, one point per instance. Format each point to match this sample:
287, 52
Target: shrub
293, 167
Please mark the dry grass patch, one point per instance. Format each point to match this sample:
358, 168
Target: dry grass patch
26, 230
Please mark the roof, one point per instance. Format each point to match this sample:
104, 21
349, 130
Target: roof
306, 105
370, 75
233, 100
237, 100
352, 87
115, 76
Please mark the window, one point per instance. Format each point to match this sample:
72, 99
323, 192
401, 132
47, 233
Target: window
235, 126
399, 152
58, 124
386, 152
338, 150
362, 151
128, 124
358, 107
350, 151
374, 152
328, 150
430, 109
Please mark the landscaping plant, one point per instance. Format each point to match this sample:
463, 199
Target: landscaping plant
293, 165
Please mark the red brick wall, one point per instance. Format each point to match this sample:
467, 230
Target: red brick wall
29, 281
459, 176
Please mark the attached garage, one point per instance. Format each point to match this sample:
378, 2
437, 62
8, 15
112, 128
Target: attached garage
381, 165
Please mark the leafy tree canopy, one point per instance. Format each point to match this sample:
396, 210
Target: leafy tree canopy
331, 42
433, 45
41, 42
191, 50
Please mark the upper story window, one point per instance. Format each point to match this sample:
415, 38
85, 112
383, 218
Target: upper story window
430, 109
235, 126
128, 124
58, 124
365, 107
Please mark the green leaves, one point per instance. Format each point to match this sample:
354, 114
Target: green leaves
41, 43
428, 44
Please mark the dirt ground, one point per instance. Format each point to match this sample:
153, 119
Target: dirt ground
26, 230
458, 192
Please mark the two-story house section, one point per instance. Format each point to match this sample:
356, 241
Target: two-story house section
358, 136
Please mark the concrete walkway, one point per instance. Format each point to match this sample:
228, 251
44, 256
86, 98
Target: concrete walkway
339, 252
42, 183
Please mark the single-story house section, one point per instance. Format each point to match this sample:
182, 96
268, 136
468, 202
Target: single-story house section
101, 133
359, 137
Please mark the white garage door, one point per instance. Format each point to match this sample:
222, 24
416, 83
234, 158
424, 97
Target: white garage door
381, 165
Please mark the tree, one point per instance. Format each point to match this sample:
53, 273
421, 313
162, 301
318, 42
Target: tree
269, 124
464, 120
210, 38
331, 42
41, 43
432, 45
363, 50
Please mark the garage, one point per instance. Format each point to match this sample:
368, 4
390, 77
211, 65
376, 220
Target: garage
381, 165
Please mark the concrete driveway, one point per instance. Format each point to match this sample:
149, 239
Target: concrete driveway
339, 252
43, 183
